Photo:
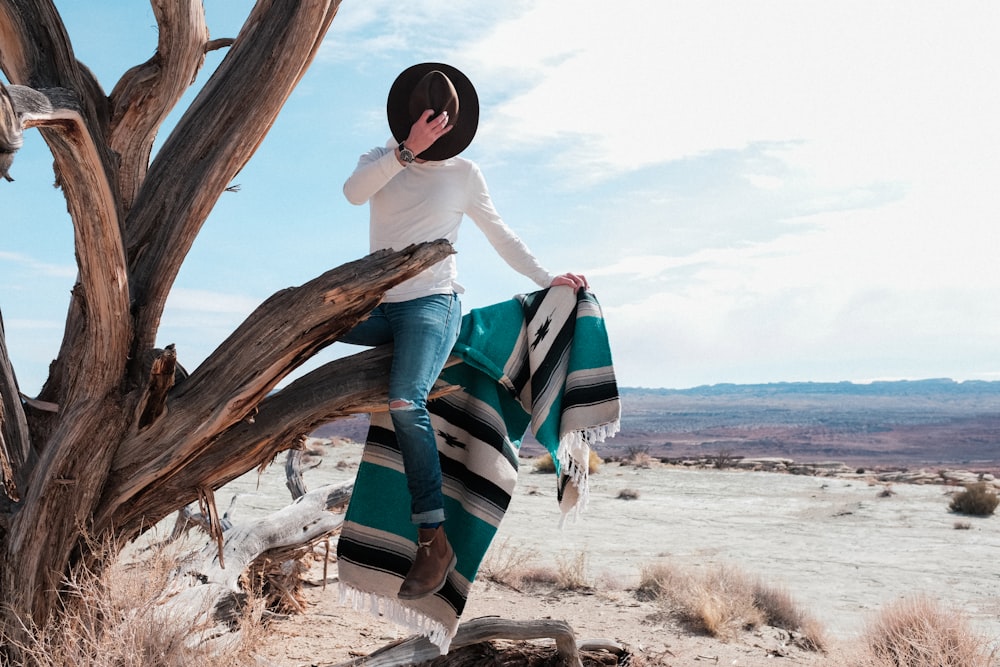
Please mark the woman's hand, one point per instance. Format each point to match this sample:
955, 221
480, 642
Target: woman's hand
576, 281
425, 132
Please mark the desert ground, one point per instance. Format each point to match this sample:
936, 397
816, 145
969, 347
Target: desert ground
842, 547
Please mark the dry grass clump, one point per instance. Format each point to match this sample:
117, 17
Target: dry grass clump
117, 619
572, 573
545, 464
917, 632
724, 601
515, 567
975, 500
506, 564
628, 494
638, 457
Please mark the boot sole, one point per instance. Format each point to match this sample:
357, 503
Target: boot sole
444, 580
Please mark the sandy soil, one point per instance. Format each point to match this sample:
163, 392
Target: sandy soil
841, 547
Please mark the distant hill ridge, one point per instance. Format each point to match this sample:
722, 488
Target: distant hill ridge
899, 422
878, 387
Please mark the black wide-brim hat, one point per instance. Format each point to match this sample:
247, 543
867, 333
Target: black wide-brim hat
465, 122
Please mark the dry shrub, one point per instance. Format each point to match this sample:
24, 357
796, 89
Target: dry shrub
719, 601
508, 564
723, 601
514, 567
963, 525
545, 464
657, 579
638, 457
117, 619
572, 573
594, 462
782, 611
536, 576
975, 500
918, 632
628, 494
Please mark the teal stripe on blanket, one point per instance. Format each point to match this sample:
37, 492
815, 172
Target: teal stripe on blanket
487, 339
386, 490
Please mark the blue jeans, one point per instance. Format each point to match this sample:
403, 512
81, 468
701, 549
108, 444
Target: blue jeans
423, 332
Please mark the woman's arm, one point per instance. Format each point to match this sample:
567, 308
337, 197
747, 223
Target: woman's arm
508, 244
375, 169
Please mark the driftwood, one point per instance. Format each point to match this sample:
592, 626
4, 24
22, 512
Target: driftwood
209, 590
418, 650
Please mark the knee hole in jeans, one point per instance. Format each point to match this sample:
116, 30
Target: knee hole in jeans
401, 404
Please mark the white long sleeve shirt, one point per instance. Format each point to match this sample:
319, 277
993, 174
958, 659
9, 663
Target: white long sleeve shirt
425, 202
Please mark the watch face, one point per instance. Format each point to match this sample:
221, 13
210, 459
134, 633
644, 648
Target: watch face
406, 154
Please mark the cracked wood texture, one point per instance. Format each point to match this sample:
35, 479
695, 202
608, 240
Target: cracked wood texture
115, 442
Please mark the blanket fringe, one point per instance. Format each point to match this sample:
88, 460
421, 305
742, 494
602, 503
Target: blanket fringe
387, 607
574, 460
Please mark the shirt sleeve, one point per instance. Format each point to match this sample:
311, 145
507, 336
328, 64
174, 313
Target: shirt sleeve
375, 168
503, 239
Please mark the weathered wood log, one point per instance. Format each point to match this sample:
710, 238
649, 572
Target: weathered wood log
416, 650
293, 472
207, 593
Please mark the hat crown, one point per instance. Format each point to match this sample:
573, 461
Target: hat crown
440, 87
434, 91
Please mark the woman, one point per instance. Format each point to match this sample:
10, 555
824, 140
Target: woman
419, 190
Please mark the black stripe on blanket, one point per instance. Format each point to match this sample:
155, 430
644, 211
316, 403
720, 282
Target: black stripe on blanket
475, 485
378, 559
593, 394
458, 416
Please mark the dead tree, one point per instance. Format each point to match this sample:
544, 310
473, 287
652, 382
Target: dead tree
118, 437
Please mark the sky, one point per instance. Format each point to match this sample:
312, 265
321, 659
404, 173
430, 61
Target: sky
757, 190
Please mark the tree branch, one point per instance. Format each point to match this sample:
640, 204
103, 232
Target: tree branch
213, 140
37, 53
15, 439
145, 95
11, 137
149, 481
97, 330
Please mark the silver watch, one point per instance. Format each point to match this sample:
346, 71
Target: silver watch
405, 154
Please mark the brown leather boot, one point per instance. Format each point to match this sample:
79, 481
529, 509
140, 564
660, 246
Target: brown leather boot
430, 568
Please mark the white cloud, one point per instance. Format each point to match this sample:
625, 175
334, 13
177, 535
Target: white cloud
206, 301
872, 91
24, 324
39, 268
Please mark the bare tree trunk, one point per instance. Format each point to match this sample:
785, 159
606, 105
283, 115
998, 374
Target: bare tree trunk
118, 438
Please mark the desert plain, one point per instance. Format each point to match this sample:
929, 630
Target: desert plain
842, 545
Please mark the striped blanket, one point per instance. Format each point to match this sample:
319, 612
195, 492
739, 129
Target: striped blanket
540, 360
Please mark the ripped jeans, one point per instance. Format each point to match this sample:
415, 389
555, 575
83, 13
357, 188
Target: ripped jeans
423, 332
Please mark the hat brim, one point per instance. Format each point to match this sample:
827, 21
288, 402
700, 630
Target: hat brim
460, 136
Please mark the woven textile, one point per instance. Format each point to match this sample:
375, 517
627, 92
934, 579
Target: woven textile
540, 360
